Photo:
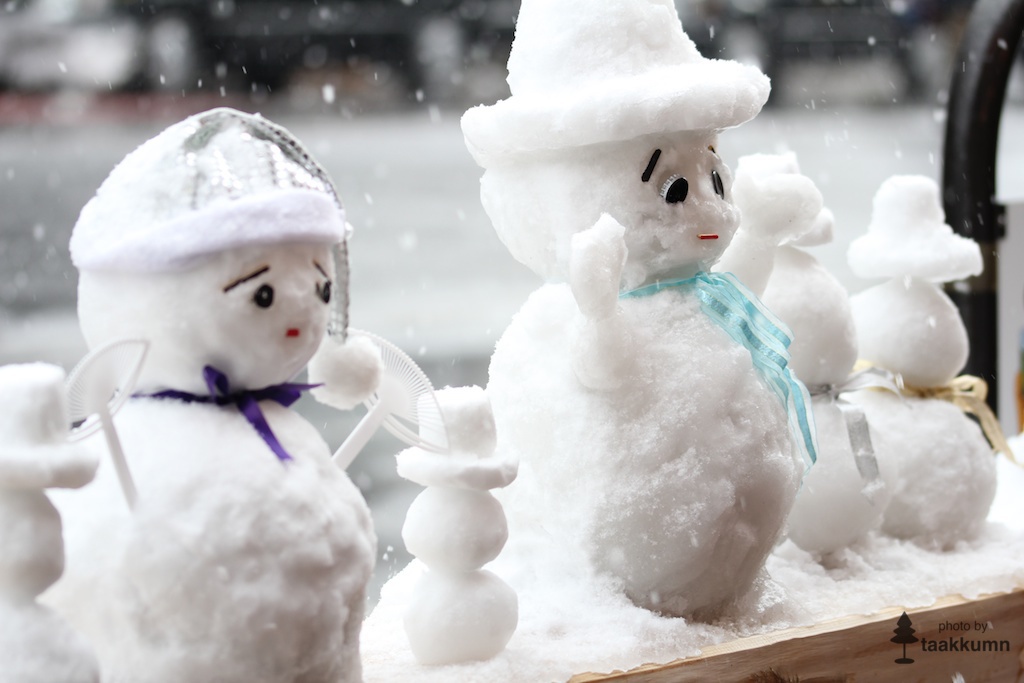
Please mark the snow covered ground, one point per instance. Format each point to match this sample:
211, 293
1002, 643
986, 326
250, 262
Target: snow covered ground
428, 271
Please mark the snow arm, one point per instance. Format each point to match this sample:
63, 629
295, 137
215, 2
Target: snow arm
600, 339
776, 208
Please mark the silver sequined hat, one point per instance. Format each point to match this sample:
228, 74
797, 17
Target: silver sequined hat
216, 181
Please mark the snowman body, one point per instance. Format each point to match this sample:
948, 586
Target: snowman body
36, 645
677, 483
247, 555
233, 566
648, 444
945, 470
837, 503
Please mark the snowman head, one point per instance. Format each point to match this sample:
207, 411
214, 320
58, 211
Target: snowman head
215, 241
598, 87
671, 191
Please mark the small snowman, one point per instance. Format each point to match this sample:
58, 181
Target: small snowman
36, 646
844, 495
457, 611
651, 441
945, 469
247, 555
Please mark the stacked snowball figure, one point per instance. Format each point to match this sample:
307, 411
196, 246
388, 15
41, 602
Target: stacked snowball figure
36, 646
650, 441
458, 611
247, 556
844, 495
945, 469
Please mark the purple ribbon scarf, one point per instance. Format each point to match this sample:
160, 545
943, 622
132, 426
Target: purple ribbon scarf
247, 401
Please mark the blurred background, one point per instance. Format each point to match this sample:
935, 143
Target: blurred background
375, 89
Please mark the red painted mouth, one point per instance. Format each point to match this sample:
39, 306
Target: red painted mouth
708, 236
292, 332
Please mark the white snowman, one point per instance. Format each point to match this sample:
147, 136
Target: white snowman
945, 468
247, 556
457, 611
36, 645
649, 439
844, 495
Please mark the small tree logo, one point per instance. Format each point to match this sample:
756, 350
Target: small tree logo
904, 635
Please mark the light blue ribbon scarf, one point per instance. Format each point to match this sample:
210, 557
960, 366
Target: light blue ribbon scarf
739, 312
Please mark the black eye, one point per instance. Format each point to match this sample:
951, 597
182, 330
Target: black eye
675, 189
264, 296
716, 182
325, 292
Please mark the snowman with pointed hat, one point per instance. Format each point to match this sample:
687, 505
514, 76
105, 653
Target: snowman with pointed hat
247, 555
945, 469
653, 443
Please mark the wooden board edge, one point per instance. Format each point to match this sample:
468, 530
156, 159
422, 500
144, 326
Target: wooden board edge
858, 646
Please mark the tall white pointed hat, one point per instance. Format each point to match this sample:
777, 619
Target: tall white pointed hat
217, 180
908, 236
591, 71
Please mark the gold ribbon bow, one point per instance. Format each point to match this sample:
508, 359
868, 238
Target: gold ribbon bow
968, 393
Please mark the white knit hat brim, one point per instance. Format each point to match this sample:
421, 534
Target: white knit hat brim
277, 217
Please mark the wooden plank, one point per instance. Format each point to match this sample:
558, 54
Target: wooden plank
982, 639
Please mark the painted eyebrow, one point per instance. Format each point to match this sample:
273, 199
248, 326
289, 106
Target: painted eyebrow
650, 165
322, 272
246, 278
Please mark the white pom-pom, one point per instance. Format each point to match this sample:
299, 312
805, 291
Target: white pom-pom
349, 372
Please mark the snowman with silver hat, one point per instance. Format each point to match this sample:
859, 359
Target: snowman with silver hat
247, 555
945, 469
36, 645
648, 400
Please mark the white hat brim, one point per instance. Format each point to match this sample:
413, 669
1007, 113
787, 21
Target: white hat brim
941, 256
279, 217
707, 95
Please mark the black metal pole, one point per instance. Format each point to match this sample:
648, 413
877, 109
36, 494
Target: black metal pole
980, 74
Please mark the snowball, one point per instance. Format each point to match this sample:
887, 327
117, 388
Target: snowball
455, 530
584, 72
908, 236
911, 327
209, 183
946, 471
350, 372
460, 618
